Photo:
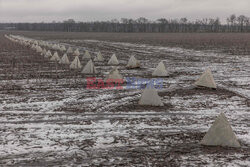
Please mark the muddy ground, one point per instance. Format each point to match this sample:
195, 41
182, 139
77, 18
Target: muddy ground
48, 117
231, 43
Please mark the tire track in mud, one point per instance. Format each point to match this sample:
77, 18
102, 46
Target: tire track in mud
122, 99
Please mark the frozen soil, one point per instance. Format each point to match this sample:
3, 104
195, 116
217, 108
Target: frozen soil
48, 117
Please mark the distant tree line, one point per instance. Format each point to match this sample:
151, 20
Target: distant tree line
234, 24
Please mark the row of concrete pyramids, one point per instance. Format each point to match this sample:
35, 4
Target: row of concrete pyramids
90, 67
75, 64
219, 134
160, 70
205, 80
151, 97
133, 62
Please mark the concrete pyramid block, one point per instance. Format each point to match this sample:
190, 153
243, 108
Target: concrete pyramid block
35, 42
50, 46
133, 63
150, 97
89, 68
33, 47
64, 59
76, 64
46, 44
56, 47
220, 134
70, 50
48, 54
113, 60
44, 52
39, 49
55, 57
25, 43
86, 55
206, 80
63, 48
160, 71
99, 57
76, 52
114, 74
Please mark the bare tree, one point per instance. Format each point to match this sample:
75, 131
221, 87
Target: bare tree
242, 21
142, 24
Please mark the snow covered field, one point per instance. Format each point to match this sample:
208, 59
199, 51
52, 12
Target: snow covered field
48, 117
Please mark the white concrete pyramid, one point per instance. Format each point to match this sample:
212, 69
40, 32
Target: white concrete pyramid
86, 55
76, 52
70, 50
39, 49
113, 60
89, 68
48, 54
76, 64
35, 42
27, 43
55, 57
114, 74
133, 62
160, 70
150, 97
206, 80
63, 48
43, 43
33, 46
220, 134
53, 46
44, 52
56, 47
50, 46
64, 59
99, 57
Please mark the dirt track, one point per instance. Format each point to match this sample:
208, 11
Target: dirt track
47, 115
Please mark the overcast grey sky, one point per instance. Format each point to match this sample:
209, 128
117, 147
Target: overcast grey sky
92, 10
